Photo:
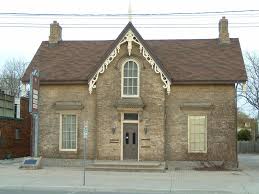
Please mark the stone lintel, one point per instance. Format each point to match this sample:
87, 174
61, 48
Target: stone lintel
68, 105
129, 103
196, 106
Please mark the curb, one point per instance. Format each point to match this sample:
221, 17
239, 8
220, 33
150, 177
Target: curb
11, 161
81, 188
110, 189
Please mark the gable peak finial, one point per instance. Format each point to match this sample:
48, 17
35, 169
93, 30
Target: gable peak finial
130, 11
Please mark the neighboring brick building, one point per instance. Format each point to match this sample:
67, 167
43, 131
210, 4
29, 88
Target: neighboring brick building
15, 127
166, 100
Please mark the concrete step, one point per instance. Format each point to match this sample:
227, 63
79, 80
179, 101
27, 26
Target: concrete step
91, 168
125, 166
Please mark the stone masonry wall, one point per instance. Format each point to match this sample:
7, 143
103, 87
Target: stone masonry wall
50, 119
221, 131
108, 92
166, 122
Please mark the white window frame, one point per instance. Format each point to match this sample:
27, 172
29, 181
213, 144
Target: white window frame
122, 78
206, 135
60, 131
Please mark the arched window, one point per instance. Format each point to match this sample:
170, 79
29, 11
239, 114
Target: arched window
130, 79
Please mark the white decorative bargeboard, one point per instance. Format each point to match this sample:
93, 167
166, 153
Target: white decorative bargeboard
129, 38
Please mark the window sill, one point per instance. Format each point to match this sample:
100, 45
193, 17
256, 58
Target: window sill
197, 152
130, 96
68, 150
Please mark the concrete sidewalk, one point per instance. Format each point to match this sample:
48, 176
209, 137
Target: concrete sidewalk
57, 178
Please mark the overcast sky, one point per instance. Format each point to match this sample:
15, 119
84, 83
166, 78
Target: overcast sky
23, 42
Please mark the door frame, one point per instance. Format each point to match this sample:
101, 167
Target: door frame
122, 130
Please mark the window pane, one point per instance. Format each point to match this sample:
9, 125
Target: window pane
130, 116
135, 73
130, 72
130, 81
196, 146
197, 138
193, 146
191, 138
202, 146
202, 137
125, 82
126, 66
125, 72
135, 82
135, 66
130, 91
135, 91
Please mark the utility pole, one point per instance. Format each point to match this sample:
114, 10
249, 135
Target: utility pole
33, 108
85, 135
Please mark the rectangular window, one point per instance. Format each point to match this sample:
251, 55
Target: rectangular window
197, 134
68, 132
17, 134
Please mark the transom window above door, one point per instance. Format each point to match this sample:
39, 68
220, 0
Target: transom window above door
131, 116
130, 79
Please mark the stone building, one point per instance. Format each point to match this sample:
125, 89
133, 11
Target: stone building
159, 100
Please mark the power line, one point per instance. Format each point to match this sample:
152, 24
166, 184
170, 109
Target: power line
121, 24
135, 17
126, 15
120, 27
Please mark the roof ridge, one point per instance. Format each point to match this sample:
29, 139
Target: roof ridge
191, 39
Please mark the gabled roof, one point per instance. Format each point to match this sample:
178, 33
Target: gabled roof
183, 61
128, 36
113, 46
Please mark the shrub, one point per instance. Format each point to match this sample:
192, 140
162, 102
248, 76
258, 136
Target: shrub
244, 135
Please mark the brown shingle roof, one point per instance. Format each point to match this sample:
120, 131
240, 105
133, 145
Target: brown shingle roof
69, 61
200, 60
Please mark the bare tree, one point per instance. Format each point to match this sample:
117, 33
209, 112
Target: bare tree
10, 76
252, 92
